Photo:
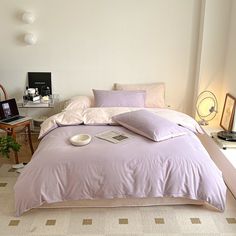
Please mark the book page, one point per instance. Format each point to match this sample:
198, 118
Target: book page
113, 136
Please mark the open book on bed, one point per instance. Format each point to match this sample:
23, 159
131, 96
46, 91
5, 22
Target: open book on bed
113, 136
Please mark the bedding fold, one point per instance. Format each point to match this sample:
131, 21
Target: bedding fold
103, 116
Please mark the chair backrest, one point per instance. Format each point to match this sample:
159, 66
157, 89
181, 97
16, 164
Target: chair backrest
3, 93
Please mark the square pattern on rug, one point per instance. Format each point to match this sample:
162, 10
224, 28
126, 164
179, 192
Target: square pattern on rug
51, 222
13, 223
87, 221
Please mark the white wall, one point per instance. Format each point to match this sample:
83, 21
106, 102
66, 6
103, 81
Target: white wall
94, 43
230, 65
213, 47
229, 85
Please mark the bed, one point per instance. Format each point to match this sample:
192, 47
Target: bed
134, 172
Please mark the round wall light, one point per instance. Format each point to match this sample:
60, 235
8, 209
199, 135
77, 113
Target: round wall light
30, 39
28, 17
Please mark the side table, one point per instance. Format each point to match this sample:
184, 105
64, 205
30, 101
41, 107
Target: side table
225, 159
11, 131
27, 107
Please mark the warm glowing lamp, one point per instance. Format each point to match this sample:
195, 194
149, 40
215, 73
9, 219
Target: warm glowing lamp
30, 39
28, 17
206, 107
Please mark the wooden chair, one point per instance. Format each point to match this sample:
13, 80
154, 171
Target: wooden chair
11, 128
3, 93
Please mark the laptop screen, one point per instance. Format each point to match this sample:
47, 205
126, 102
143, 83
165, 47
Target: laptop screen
8, 109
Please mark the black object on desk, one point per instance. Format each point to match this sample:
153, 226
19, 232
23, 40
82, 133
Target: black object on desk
42, 81
227, 135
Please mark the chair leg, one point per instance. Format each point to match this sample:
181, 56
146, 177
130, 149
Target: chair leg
13, 134
30, 140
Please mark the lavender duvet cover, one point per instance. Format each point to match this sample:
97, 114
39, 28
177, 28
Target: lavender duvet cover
138, 167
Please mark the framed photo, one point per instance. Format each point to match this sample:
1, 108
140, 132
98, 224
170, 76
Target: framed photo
227, 117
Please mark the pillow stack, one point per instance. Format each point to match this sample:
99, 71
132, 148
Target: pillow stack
124, 95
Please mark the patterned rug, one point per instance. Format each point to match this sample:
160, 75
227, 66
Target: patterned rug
135, 221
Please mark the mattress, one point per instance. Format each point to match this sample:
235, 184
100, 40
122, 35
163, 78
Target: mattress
135, 169
142, 202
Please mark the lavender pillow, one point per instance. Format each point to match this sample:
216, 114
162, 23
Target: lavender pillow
149, 125
110, 98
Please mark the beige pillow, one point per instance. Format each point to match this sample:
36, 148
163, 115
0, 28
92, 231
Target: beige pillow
78, 102
155, 93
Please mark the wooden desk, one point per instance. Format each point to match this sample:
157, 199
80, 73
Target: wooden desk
11, 131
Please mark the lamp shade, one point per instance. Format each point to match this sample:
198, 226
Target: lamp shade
28, 17
30, 39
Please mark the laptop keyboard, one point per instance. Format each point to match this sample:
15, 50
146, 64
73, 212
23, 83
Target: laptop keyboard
13, 119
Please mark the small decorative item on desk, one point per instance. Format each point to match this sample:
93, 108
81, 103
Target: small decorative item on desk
223, 141
227, 137
46, 98
42, 102
32, 99
206, 107
31, 94
227, 117
45, 91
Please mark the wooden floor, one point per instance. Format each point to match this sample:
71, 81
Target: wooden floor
24, 153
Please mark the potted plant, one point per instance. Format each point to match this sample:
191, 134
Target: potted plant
7, 143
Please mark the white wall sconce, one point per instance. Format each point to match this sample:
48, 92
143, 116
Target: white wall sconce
28, 17
30, 39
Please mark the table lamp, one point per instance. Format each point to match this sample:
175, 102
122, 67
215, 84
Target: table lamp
206, 107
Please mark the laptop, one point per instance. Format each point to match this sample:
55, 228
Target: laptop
9, 113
